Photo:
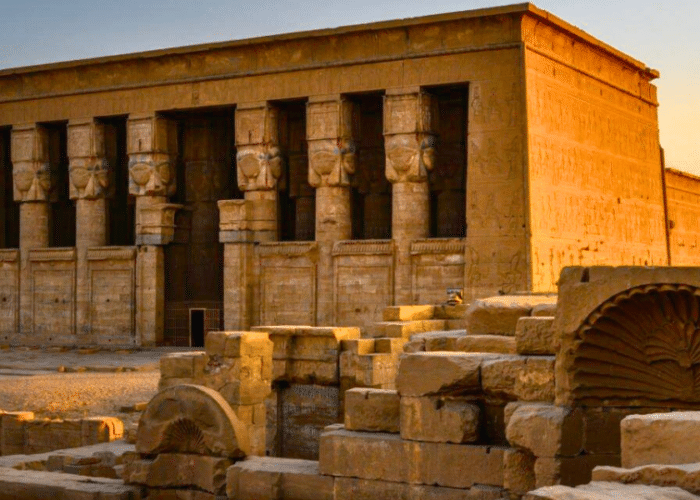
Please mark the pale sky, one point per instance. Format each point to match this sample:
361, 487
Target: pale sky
661, 33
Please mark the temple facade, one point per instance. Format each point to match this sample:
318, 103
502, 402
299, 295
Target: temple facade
316, 178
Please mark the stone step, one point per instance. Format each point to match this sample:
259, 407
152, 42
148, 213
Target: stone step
686, 476
609, 491
408, 313
660, 438
263, 478
499, 315
404, 329
486, 343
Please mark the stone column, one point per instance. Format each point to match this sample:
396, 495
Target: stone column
409, 118
90, 180
152, 147
331, 165
259, 166
32, 185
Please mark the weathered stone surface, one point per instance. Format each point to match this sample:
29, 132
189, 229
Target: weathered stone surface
609, 491
440, 420
191, 419
426, 373
238, 344
500, 344
641, 364
535, 335
408, 313
347, 488
522, 378
499, 315
518, 471
387, 457
660, 438
686, 476
546, 430
179, 470
404, 329
372, 410
570, 471
268, 478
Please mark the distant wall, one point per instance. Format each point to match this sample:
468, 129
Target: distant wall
683, 198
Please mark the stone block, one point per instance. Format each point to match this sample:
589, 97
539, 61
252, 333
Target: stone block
535, 335
442, 341
263, 478
518, 471
519, 377
177, 365
358, 346
609, 491
372, 410
238, 344
101, 430
389, 345
14, 431
312, 372
546, 430
437, 419
348, 488
426, 373
601, 434
686, 476
499, 315
450, 312
179, 470
408, 313
404, 329
660, 438
547, 310
569, 471
387, 457
499, 344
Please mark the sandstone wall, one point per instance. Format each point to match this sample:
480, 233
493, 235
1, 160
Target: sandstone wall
683, 198
595, 175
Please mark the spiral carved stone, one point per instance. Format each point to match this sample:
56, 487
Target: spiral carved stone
191, 419
640, 347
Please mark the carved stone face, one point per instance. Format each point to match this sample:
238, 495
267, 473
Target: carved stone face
148, 176
32, 181
89, 179
259, 167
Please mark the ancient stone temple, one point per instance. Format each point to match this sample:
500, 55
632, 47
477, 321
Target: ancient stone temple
316, 178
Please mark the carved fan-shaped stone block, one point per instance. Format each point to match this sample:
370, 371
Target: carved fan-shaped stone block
191, 419
640, 347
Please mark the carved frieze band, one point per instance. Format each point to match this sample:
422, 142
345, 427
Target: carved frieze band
111, 253
52, 254
9, 255
291, 248
438, 246
363, 247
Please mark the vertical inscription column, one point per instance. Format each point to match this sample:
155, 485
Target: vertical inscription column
32, 184
259, 166
89, 183
152, 147
409, 118
331, 165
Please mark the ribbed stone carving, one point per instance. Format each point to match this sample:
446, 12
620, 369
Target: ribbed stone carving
641, 346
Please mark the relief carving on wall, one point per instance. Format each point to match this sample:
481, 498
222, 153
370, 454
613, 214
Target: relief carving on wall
332, 150
641, 346
409, 138
152, 175
258, 158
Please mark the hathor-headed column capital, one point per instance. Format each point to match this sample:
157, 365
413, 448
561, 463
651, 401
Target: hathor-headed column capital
33, 179
410, 117
258, 160
330, 138
90, 175
152, 148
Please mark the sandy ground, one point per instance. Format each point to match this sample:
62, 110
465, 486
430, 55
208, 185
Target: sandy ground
59, 383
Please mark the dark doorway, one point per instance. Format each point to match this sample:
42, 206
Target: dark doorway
196, 327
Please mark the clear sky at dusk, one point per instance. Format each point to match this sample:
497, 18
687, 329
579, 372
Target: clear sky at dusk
663, 34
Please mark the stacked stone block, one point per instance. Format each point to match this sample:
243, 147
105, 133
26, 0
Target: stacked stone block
239, 366
21, 433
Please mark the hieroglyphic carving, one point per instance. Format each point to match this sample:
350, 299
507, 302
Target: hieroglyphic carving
32, 175
89, 171
332, 150
152, 146
494, 104
258, 159
641, 345
409, 125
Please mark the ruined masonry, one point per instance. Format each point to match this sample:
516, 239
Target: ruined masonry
318, 178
